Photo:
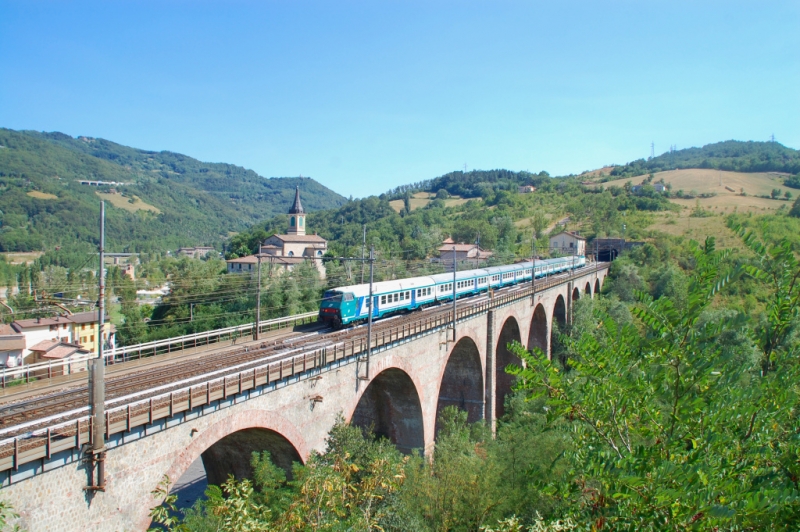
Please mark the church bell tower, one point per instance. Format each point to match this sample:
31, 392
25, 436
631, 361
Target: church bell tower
297, 216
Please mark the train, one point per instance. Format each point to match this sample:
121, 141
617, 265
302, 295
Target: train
348, 304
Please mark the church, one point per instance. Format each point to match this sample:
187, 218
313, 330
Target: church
283, 252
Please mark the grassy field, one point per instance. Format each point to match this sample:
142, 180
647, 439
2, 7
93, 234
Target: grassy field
704, 181
41, 195
121, 202
21, 257
421, 199
600, 172
681, 224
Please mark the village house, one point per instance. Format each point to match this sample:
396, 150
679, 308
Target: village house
12, 344
283, 252
471, 254
52, 351
81, 329
568, 243
526, 189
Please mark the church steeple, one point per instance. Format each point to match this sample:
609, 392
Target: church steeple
297, 216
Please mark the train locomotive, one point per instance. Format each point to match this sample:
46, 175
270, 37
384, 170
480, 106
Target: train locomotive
347, 304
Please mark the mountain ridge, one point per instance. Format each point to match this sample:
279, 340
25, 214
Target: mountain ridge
199, 202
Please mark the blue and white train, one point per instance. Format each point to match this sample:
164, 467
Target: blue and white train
348, 304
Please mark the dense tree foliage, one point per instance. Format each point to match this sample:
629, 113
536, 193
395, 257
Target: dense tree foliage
730, 155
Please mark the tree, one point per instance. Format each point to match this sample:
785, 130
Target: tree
787, 195
776, 193
671, 430
539, 222
795, 210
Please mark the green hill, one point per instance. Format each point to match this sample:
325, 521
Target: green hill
731, 155
168, 199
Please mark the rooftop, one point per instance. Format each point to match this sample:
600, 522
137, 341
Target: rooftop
297, 208
249, 259
569, 233
301, 238
79, 317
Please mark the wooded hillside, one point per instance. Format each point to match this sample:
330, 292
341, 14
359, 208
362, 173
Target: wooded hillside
168, 199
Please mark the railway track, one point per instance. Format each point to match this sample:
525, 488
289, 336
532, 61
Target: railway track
72, 403
76, 398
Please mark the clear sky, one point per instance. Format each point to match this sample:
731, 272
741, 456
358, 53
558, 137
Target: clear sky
364, 96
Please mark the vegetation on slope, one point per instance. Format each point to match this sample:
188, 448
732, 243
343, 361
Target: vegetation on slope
730, 155
199, 203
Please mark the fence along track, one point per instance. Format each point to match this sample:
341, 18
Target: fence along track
57, 368
42, 442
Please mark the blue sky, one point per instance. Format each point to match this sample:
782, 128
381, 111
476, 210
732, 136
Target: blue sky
365, 96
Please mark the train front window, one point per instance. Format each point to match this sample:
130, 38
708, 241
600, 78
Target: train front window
332, 297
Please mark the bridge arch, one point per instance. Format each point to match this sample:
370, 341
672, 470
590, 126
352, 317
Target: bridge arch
559, 318
230, 442
588, 289
461, 384
391, 407
596, 286
576, 294
503, 357
538, 331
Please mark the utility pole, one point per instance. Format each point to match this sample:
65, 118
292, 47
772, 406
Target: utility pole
533, 269
363, 245
97, 388
371, 306
455, 268
258, 300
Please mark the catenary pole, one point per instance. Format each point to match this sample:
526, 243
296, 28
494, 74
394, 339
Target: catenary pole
363, 245
370, 308
258, 300
455, 268
98, 372
533, 270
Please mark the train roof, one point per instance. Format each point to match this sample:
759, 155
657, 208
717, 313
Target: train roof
440, 278
382, 287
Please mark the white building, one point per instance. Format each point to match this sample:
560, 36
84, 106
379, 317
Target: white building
568, 243
80, 329
284, 252
12, 344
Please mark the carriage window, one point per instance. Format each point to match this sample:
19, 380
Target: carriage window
348, 297
396, 297
383, 300
366, 302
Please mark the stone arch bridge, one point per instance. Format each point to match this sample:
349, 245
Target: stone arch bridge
416, 369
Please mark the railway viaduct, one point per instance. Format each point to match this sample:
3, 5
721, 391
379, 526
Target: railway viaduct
288, 406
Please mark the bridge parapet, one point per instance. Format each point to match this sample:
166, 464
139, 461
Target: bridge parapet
41, 438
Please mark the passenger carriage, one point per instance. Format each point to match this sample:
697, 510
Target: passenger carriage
347, 304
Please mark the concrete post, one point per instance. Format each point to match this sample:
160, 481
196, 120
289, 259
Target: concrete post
490, 385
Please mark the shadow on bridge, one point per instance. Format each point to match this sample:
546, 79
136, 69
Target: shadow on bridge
390, 406
462, 382
503, 357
